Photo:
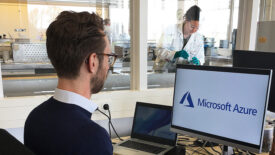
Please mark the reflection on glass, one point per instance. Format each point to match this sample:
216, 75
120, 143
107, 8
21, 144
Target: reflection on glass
26, 69
40, 16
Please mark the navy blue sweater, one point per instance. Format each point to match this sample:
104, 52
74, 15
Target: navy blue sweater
59, 128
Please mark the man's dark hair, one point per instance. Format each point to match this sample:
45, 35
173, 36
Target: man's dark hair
192, 13
71, 38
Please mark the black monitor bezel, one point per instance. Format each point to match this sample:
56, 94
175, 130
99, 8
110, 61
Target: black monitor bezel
240, 59
232, 70
152, 138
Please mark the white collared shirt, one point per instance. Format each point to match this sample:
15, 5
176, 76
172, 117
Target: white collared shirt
74, 98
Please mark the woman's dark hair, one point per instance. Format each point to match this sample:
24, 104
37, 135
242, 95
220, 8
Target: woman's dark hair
71, 38
106, 21
192, 13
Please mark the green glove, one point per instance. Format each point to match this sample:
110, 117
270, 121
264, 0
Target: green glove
195, 61
182, 54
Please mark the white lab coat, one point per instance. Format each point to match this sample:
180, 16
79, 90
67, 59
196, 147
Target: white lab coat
172, 41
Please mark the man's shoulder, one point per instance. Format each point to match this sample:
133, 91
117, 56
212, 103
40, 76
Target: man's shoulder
94, 135
94, 131
42, 106
92, 127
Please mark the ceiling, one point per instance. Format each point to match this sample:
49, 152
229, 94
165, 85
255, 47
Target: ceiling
63, 1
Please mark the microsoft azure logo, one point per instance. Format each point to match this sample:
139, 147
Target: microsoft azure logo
187, 97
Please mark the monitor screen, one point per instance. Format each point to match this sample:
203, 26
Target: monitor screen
254, 59
152, 122
220, 104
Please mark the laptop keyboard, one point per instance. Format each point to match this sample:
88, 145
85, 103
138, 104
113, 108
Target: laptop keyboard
142, 147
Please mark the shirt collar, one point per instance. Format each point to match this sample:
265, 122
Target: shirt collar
179, 30
73, 98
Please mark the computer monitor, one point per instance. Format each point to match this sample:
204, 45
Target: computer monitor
255, 59
224, 105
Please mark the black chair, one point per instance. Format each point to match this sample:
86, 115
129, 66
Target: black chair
11, 146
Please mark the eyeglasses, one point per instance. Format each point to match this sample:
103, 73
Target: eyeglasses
112, 58
194, 27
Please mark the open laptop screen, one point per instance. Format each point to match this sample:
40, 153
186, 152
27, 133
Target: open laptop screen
152, 122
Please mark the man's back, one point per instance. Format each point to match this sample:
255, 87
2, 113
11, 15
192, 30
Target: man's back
60, 128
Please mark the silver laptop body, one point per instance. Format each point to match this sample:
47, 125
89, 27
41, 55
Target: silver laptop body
151, 125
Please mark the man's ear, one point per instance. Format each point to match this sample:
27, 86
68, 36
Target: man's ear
93, 63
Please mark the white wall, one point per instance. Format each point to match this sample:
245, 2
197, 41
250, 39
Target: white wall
14, 110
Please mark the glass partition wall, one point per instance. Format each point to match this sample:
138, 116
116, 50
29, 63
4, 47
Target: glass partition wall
24, 22
26, 69
218, 26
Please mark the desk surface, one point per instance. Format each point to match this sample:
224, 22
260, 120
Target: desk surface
187, 142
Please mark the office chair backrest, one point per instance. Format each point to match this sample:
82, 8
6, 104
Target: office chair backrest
11, 146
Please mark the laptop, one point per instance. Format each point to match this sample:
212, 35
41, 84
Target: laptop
150, 131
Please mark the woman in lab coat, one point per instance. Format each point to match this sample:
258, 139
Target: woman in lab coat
184, 44
107, 29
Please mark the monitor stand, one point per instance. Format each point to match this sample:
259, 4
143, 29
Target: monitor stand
202, 143
227, 150
177, 150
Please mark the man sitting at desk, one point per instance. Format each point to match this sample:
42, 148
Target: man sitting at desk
79, 52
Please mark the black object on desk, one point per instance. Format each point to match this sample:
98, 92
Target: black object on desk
177, 150
9, 145
204, 143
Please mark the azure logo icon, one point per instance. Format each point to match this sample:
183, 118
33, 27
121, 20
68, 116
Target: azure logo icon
187, 97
